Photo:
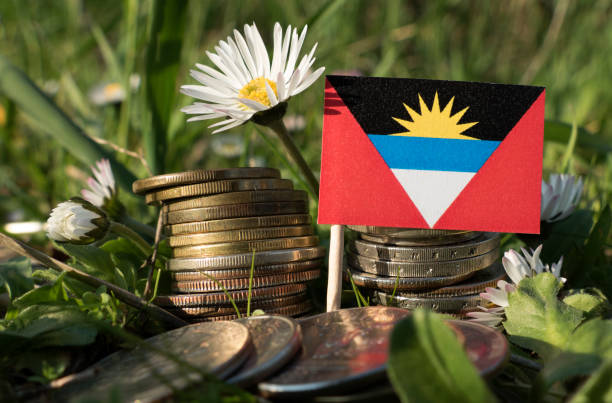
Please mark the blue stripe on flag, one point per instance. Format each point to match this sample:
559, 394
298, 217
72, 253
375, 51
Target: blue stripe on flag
433, 154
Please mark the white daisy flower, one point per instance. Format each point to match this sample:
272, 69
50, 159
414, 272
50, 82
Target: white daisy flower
246, 81
517, 268
112, 92
102, 185
77, 221
560, 196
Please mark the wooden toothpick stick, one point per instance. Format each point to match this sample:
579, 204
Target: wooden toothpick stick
334, 278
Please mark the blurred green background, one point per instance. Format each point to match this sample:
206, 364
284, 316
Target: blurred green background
72, 48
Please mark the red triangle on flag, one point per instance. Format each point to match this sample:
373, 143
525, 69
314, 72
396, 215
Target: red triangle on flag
357, 187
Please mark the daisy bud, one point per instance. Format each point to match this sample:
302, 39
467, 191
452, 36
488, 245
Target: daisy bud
77, 221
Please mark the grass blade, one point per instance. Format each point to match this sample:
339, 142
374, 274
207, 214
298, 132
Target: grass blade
16, 86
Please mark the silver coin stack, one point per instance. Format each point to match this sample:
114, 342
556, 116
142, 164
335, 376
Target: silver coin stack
444, 271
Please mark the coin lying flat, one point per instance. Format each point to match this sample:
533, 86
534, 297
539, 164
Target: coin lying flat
246, 272
145, 375
245, 259
230, 248
291, 310
340, 350
243, 283
276, 340
235, 211
211, 188
200, 175
373, 281
215, 310
478, 246
475, 284
422, 269
486, 348
240, 235
458, 304
232, 224
220, 298
222, 199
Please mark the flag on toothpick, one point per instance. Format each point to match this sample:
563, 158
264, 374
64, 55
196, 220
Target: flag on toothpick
432, 154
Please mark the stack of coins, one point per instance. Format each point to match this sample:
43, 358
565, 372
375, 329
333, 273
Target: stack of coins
222, 222
444, 271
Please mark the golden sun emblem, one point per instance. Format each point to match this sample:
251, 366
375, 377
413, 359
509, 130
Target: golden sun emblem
435, 122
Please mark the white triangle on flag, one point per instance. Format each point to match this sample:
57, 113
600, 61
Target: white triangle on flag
432, 192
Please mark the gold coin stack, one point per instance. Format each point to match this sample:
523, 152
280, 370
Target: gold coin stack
221, 222
444, 271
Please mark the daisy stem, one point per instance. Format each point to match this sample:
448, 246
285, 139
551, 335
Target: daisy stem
279, 128
127, 232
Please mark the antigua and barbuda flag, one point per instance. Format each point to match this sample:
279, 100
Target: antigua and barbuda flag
434, 154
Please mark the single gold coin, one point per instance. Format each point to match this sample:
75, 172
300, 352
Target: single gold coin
221, 298
231, 248
235, 211
240, 235
243, 283
244, 260
231, 224
291, 310
246, 272
264, 304
222, 199
201, 175
211, 188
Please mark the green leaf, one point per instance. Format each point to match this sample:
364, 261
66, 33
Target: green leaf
593, 337
598, 387
125, 247
16, 86
44, 294
97, 260
536, 319
596, 244
590, 304
562, 367
47, 364
16, 276
427, 363
163, 55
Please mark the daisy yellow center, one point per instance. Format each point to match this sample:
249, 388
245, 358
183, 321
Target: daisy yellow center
256, 90
111, 89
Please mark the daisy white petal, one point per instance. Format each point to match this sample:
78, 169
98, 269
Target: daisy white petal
271, 95
560, 196
253, 104
496, 296
309, 80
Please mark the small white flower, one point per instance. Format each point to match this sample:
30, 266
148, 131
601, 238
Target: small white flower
229, 146
76, 221
517, 268
487, 316
108, 93
560, 196
246, 82
102, 185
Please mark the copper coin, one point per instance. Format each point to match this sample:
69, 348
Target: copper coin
238, 224
475, 247
290, 310
475, 284
145, 375
235, 211
422, 269
220, 298
246, 259
458, 304
246, 272
276, 340
248, 196
200, 175
341, 350
243, 283
487, 348
211, 188
214, 310
385, 283
240, 235
231, 248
